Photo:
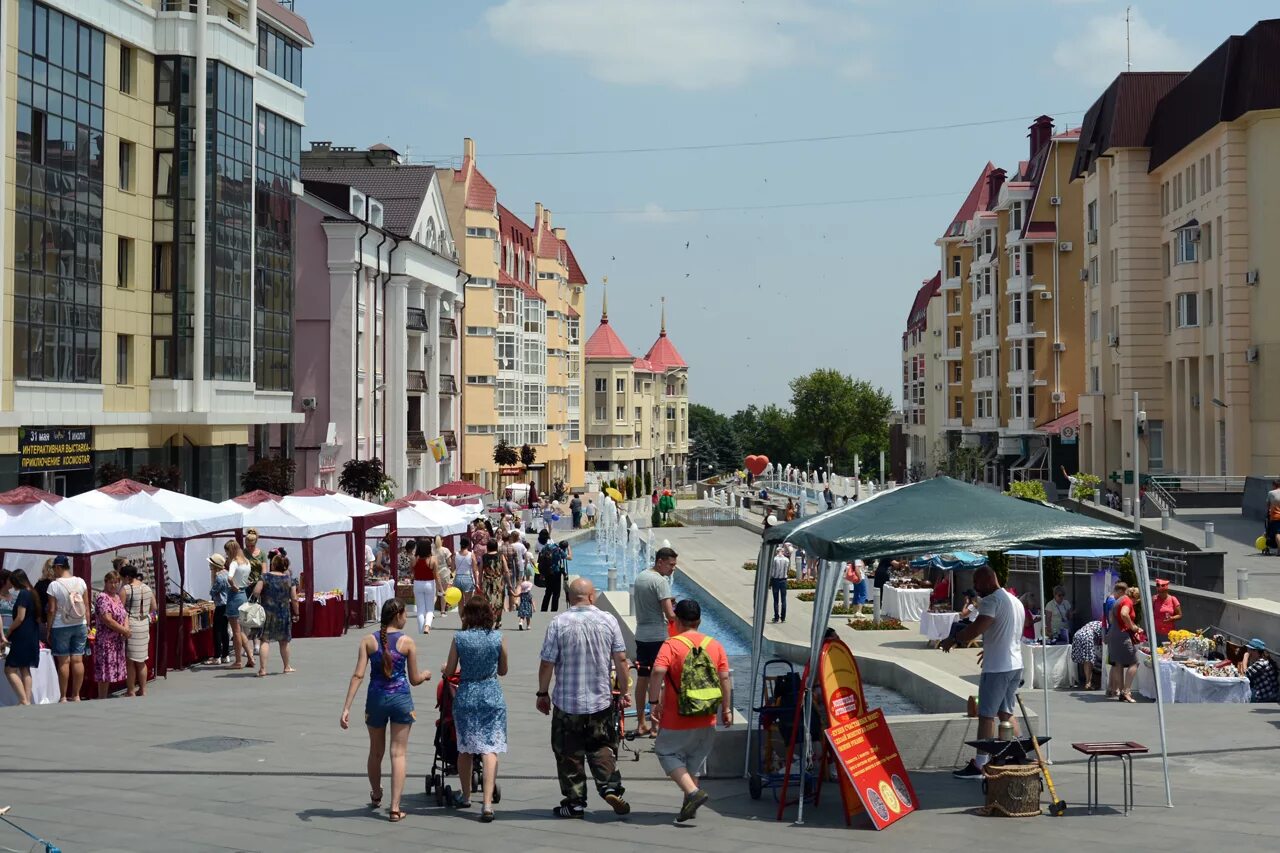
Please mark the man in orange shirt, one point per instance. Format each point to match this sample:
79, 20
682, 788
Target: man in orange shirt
684, 742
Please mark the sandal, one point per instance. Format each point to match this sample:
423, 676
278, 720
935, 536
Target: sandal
395, 815
486, 816
375, 801
1126, 696
459, 802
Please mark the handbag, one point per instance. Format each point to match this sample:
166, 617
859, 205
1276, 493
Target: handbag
252, 615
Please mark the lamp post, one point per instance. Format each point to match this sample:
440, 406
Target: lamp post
1139, 417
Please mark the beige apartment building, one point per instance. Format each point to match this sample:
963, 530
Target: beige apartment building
924, 375
638, 408
1013, 315
1179, 175
522, 361
146, 301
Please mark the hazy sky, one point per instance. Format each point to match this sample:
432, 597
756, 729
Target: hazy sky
804, 280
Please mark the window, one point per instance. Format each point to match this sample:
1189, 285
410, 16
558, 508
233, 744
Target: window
480, 380
1168, 318
1217, 166
126, 166
1206, 308
126, 69
1164, 259
1206, 241
1188, 310
600, 416
620, 413
955, 266
279, 54
601, 386
1164, 199
1115, 206
638, 410
1113, 267
480, 331
1095, 379
124, 262
124, 351
1191, 182
956, 335
1177, 191
507, 350
1186, 246
485, 233
486, 283
162, 268
1094, 325
1015, 216
957, 408
620, 386
955, 372
1091, 215
1155, 445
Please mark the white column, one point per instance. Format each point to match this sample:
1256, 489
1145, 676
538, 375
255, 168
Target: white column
343, 361
395, 396
199, 402
431, 423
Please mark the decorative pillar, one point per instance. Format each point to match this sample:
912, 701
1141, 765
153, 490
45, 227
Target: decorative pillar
431, 424
395, 394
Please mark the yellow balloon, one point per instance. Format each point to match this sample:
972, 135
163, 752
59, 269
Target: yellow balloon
452, 596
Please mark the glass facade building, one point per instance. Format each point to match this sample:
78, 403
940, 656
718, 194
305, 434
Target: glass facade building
278, 166
58, 173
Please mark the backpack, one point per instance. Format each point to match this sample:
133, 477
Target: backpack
549, 560
699, 693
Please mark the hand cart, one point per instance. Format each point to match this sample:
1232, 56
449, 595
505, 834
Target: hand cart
779, 725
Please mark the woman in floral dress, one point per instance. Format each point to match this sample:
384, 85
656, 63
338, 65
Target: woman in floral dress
279, 599
478, 656
111, 624
495, 577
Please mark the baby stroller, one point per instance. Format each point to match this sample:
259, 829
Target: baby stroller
445, 762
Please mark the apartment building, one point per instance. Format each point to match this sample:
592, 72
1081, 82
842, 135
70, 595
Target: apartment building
638, 407
1013, 321
1179, 179
924, 376
521, 351
147, 297
379, 297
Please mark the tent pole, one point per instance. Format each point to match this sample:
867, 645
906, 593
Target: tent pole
763, 559
830, 574
1044, 662
1144, 580
180, 554
162, 656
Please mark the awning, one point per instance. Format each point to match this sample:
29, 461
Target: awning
1055, 427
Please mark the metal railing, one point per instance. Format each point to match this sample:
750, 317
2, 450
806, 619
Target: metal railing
707, 515
416, 320
416, 380
1167, 564
1158, 495
1197, 483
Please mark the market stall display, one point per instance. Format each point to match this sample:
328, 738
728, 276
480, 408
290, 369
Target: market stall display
377, 593
1057, 659
323, 616
937, 626
1187, 675
905, 604
44, 683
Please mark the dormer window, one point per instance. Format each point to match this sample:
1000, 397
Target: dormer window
357, 205
375, 213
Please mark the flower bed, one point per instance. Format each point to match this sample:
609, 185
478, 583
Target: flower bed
885, 624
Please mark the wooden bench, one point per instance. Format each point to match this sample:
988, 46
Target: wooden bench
1124, 750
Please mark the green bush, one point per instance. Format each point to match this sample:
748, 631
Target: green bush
1052, 575
749, 565
655, 517
795, 583
1125, 566
1086, 487
1030, 489
885, 624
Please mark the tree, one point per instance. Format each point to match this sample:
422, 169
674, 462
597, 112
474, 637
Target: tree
1053, 575
161, 476
1028, 489
109, 472
962, 462
366, 479
528, 455
273, 474
648, 483
504, 454
841, 416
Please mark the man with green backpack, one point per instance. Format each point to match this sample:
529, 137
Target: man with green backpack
689, 686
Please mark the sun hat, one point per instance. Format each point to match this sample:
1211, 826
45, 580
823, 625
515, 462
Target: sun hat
218, 561
1161, 583
1257, 645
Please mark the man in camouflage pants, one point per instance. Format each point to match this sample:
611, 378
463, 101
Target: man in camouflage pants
580, 648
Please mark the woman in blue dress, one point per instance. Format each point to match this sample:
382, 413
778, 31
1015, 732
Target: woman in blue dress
392, 659
479, 656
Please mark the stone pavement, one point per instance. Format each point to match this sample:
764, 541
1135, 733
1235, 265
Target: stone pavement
107, 776
1236, 536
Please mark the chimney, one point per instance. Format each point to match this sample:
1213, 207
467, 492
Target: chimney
1041, 131
537, 218
560, 232
469, 148
995, 180
321, 145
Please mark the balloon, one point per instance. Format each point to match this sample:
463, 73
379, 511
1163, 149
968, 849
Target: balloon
756, 464
452, 596
555, 516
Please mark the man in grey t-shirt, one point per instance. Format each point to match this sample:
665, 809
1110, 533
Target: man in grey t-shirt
654, 611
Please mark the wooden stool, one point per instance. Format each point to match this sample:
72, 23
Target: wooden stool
1124, 750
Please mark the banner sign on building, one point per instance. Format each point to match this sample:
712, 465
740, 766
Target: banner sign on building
55, 449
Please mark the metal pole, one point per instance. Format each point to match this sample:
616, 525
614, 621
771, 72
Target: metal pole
1144, 580
1208, 534
1044, 660
882, 469
1137, 471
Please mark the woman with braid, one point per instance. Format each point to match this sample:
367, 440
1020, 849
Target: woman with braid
394, 669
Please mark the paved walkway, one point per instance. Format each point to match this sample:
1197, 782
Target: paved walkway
1237, 537
114, 776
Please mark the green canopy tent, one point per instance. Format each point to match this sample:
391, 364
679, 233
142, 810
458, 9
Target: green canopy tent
941, 514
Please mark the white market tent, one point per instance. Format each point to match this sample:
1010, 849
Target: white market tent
39, 523
277, 523
364, 516
426, 519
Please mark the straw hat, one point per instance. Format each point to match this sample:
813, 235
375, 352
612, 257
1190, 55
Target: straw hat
218, 561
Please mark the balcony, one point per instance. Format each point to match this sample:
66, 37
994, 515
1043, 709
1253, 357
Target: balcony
417, 381
986, 424
416, 440
1017, 285
952, 283
1023, 331
985, 383
1019, 425
416, 320
1017, 378
984, 343
951, 354
448, 327
450, 439
953, 423
981, 303
448, 385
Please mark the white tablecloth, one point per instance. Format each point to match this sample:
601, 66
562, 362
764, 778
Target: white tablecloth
379, 594
1062, 671
1182, 685
937, 626
905, 604
44, 682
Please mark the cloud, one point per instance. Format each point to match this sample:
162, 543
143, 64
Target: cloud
682, 44
1095, 52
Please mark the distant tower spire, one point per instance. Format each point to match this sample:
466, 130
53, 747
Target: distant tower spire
663, 330
604, 291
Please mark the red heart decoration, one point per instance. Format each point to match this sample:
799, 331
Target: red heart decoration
756, 464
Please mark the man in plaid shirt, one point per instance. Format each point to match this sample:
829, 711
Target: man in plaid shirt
580, 647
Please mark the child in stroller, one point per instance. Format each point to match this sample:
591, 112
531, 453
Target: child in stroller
445, 763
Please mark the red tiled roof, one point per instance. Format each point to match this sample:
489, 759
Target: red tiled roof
978, 199
529, 290
920, 305
514, 225
548, 244
604, 343
643, 365
481, 195
287, 18
663, 354
576, 275
572, 313
1040, 231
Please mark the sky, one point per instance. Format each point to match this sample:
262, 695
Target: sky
819, 269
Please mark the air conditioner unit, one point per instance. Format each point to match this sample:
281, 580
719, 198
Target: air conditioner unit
1059, 346
1195, 401
1045, 295
1113, 340
1057, 397
937, 386
1091, 236
1251, 355
1084, 275
1194, 234
1065, 246
937, 333
309, 404
1055, 200
1251, 277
